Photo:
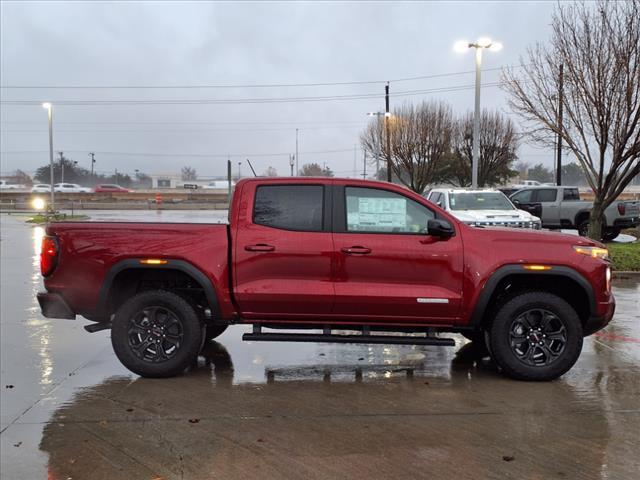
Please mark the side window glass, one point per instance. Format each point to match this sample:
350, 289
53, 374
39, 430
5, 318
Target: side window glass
546, 195
289, 207
571, 194
381, 211
522, 197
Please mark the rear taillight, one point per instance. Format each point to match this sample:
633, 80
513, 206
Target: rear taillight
622, 208
48, 255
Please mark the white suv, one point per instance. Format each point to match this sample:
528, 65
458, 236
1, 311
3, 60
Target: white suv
482, 208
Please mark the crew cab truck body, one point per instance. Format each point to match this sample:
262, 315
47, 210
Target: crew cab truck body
561, 207
335, 255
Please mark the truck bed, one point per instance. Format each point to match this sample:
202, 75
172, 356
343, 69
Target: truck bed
88, 250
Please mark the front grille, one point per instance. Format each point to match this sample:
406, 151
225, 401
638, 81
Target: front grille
532, 225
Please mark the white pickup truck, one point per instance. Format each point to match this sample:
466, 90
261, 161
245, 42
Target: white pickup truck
561, 207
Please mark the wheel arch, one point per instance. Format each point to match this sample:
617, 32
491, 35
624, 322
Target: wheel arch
133, 265
564, 282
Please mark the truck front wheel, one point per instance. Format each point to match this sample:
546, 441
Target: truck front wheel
536, 336
156, 334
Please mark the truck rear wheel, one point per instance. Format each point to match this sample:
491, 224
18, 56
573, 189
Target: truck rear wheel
536, 336
156, 334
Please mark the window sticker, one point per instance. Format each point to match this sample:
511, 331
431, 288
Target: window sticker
378, 213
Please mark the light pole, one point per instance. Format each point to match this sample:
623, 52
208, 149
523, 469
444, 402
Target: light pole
377, 152
93, 161
297, 166
480, 44
47, 106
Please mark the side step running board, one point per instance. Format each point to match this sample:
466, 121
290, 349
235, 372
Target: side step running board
324, 338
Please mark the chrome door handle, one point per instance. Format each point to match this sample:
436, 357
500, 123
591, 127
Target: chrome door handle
260, 247
356, 250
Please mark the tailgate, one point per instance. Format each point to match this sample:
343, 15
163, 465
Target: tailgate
632, 208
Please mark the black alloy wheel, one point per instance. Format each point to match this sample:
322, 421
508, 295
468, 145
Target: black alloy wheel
537, 337
155, 334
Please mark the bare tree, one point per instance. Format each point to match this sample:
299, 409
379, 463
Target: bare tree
599, 48
498, 145
420, 140
315, 170
270, 172
189, 173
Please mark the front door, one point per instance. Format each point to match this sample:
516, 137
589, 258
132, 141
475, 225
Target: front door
387, 268
282, 251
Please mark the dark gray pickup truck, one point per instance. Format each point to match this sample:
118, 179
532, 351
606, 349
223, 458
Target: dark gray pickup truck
561, 207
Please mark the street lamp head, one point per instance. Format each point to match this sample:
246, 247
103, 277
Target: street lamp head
46, 105
484, 42
495, 47
461, 46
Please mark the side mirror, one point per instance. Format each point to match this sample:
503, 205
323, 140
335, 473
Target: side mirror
516, 202
439, 228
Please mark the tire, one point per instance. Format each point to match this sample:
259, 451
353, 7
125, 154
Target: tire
610, 234
519, 337
156, 334
583, 228
213, 331
474, 336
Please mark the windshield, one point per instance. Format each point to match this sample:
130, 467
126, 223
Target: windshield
479, 201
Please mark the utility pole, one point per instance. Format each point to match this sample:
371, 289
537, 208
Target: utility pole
49, 109
93, 160
355, 162
62, 166
364, 166
386, 126
297, 155
229, 180
560, 101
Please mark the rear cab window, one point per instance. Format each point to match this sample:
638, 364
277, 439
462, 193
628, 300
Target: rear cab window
571, 195
546, 195
290, 207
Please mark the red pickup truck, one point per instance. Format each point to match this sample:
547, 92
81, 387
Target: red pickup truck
329, 260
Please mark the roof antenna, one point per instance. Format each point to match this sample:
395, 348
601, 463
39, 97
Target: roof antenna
251, 166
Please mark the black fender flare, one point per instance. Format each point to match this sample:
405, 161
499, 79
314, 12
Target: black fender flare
558, 271
180, 265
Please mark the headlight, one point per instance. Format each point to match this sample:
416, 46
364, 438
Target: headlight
593, 252
608, 278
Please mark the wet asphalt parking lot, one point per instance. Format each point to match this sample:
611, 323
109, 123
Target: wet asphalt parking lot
69, 410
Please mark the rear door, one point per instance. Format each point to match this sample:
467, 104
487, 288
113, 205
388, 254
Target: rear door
387, 268
548, 199
282, 251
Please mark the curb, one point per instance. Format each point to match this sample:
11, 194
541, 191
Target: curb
626, 274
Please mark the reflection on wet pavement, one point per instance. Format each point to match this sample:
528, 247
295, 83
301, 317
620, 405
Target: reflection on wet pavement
270, 410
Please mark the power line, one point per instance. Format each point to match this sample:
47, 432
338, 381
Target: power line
195, 155
263, 85
294, 123
198, 130
219, 101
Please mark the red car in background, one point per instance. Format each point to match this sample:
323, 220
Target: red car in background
112, 188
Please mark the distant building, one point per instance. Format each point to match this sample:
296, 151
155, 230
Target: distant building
172, 181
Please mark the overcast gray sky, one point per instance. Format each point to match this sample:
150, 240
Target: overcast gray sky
141, 44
